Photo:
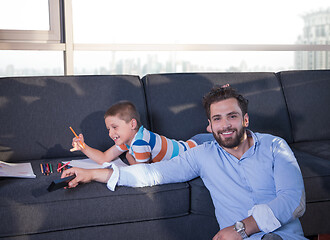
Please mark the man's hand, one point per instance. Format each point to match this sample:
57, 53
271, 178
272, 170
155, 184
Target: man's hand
82, 176
227, 233
87, 175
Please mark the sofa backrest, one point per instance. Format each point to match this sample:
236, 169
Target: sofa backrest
174, 102
307, 95
36, 113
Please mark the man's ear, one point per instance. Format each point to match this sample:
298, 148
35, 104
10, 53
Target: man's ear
209, 127
246, 120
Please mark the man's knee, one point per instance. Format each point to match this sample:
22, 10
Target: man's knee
271, 236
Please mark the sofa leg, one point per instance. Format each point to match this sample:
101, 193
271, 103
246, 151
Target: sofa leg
320, 237
323, 237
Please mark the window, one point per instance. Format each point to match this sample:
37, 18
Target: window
147, 62
146, 36
35, 21
31, 63
193, 22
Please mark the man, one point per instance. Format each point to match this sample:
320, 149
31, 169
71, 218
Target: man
254, 179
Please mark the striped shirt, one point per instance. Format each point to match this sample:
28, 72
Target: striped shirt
148, 145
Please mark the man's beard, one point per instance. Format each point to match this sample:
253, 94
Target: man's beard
230, 142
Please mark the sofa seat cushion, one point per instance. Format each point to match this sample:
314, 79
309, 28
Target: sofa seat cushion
316, 174
317, 148
189, 227
201, 201
26, 207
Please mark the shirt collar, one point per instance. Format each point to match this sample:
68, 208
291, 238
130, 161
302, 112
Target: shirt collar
256, 141
137, 135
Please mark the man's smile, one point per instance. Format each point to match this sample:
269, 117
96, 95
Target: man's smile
226, 133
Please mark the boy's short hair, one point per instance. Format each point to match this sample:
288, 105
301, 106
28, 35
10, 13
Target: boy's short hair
219, 93
125, 110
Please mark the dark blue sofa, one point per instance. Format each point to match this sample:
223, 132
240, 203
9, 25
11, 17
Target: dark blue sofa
36, 112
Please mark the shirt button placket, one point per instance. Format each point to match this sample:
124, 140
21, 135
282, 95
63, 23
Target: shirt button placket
243, 177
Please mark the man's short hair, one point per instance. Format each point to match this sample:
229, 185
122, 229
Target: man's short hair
125, 110
219, 93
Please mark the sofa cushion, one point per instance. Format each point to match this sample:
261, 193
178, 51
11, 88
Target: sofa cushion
316, 175
201, 201
26, 207
190, 227
317, 148
36, 112
175, 108
307, 96
315, 219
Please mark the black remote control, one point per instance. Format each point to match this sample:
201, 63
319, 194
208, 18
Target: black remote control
60, 183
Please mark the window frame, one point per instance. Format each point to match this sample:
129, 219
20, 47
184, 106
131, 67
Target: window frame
53, 35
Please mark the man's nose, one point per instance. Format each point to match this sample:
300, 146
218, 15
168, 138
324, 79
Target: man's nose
225, 124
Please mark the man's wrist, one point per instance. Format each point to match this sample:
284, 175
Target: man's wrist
239, 227
250, 226
101, 175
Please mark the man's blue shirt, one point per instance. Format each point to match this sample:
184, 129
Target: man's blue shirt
265, 183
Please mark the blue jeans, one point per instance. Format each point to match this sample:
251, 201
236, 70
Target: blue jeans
271, 236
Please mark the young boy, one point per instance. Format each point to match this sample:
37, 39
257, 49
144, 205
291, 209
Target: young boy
143, 146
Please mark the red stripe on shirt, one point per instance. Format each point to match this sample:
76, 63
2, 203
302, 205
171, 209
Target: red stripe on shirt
162, 151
